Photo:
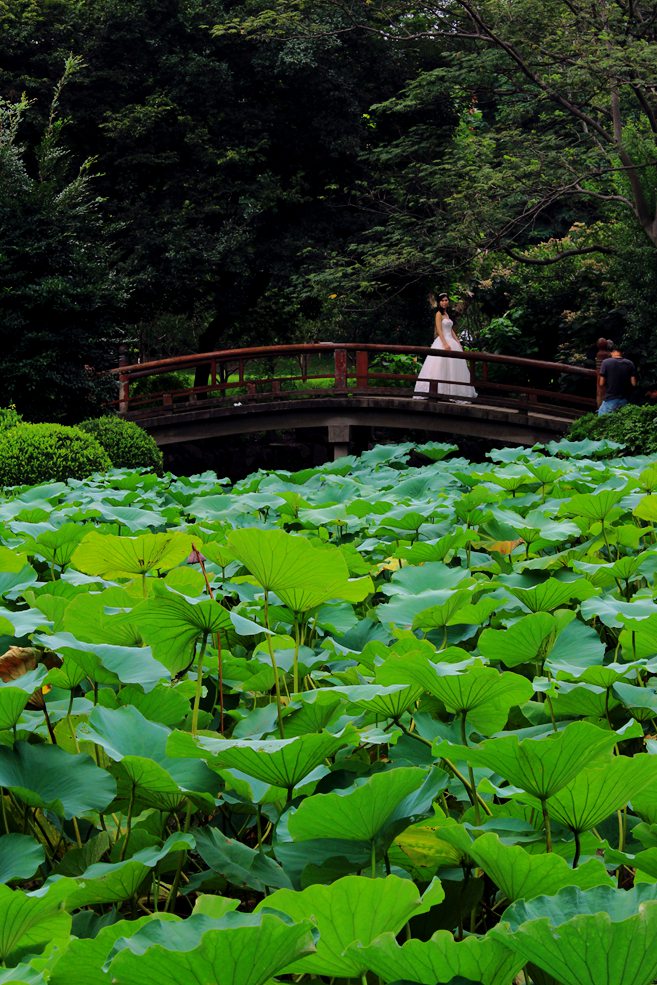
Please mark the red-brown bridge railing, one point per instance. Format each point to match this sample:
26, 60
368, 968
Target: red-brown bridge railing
287, 372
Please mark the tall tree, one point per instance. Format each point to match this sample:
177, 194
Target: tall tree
59, 294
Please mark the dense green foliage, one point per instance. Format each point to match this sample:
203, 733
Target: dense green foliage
127, 444
9, 418
31, 453
363, 720
635, 428
214, 174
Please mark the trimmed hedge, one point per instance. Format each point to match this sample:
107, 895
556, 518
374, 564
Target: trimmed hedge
633, 426
128, 445
33, 453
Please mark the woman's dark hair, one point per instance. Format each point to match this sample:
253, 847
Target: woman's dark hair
441, 295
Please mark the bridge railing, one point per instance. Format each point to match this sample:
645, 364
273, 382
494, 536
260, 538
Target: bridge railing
237, 376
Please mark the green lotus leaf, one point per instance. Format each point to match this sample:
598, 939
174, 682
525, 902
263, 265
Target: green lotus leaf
593, 506
173, 624
552, 594
541, 766
646, 509
440, 959
87, 617
140, 746
28, 926
599, 936
237, 863
387, 702
616, 612
56, 546
280, 762
416, 588
528, 640
482, 694
249, 953
521, 875
15, 694
20, 857
374, 809
457, 609
352, 910
110, 556
110, 882
303, 576
165, 703
106, 663
83, 959
48, 777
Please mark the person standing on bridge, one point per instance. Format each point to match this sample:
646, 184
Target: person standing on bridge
618, 376
452, 375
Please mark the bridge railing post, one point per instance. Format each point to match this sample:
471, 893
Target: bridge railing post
124, 383
362, 369
340, 368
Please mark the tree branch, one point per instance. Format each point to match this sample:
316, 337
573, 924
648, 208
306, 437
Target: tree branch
545, 261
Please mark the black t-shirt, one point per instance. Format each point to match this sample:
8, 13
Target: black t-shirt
617, 374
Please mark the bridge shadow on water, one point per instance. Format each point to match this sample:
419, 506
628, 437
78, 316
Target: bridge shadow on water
235, 457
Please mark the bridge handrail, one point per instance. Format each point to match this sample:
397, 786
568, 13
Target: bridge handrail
171, 363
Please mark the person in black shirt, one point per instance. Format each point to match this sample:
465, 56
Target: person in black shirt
618, 376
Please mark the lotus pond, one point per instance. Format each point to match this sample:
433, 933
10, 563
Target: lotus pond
367, 722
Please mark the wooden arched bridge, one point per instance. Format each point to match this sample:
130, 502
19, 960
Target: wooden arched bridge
340, 386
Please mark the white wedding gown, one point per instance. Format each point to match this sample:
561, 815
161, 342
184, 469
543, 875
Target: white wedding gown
453, 374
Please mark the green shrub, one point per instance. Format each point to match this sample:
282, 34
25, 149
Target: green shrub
633, 426
161, 383
33, 453
127, 444
9, 418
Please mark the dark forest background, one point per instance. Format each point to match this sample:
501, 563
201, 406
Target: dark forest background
187, 175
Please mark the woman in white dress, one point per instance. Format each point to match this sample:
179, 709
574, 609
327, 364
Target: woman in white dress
453, 374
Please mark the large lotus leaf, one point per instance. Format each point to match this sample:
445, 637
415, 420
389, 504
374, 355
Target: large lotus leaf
616, 612
639, 638
303, 576
541, 766
483, 694
416, 588
457, 610
374, 809
641, 700
56, 546
110, 556
110, 882
349, 911
86, 617
15, 694
312, 711
15, 572
387, 702
521, 875
140, 746
240, 865
281, 762
172, 624
600, 936
28, 926
593, 506
20, 857
83, 959
598, 792
646, 509
552, 594
105, 663
48, 777
249, 953
528, 640
440, 959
